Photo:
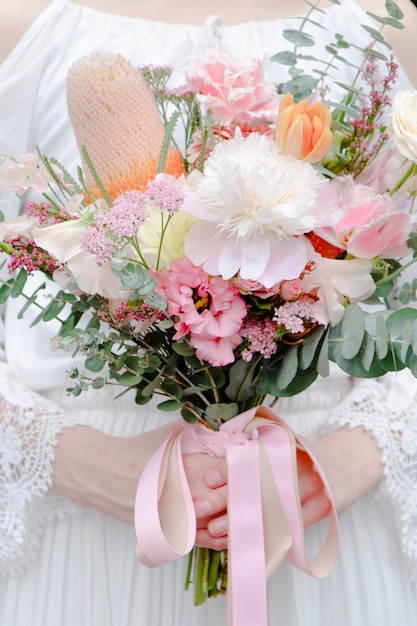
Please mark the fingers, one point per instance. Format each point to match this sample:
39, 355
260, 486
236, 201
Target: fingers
206, 540
212, 503
216, 476
315, 509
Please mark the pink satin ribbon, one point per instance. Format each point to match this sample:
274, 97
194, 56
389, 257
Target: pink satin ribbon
264, 509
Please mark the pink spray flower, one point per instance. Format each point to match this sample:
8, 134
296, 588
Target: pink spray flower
209, 310
366, 224
231, 89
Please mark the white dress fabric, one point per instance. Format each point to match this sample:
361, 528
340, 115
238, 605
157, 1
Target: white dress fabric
63, 566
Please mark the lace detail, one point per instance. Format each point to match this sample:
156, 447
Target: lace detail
28, 429
387, 408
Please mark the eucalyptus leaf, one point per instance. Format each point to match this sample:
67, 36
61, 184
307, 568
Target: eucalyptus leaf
394, 10
285, 58
323, 360
94, 365
169, 405
298, 38
288, 369
376, 35
240, 387
222, 412
367, 351
381, 340
353, 330
309, 347
19, 283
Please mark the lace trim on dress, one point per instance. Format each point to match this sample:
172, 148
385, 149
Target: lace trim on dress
27, 439
387, 408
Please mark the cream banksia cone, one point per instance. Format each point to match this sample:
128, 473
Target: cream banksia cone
114, 115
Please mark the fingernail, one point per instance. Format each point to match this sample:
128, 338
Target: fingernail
218, 527
203, 508
214, 479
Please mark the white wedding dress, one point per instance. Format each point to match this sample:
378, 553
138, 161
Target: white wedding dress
63, 566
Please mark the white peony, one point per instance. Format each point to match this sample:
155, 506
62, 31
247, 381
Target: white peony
253, 205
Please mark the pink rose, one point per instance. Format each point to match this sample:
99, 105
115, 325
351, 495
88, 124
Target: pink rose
232, 90
291, 289
209, 310
365, 223
255, 288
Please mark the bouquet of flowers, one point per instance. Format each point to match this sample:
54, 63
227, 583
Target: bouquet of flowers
227, 264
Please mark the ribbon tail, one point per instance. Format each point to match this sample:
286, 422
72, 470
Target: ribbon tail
248, 604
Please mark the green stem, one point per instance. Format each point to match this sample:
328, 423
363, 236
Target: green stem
412, 171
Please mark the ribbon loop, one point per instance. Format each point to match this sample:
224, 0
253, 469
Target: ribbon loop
264, 508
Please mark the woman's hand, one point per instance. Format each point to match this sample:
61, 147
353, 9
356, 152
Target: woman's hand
350, 459
102, 472
352, 463
207, 478
99, 471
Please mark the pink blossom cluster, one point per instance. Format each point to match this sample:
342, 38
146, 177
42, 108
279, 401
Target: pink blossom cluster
141, 312
292, 316
122, 220
30, 256
166, 196
207, 309
46, 213
261, 335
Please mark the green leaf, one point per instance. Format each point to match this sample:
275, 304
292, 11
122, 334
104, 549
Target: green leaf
222, 412
129, 380
285, 58
394, 10
298, 38
5, 291
353, 330
94, 365
367, 351
309, 347
240, 387
376, 35
190, 413
323, 360
381, 345
19, 283
169, 405
183, 348
53, 309
288, 369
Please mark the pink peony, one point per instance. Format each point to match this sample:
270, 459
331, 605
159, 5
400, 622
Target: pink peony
365, 224
209, 310
232, 90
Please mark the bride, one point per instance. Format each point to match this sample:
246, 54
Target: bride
69, 467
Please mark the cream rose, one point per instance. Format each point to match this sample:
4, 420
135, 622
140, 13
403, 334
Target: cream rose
404, 123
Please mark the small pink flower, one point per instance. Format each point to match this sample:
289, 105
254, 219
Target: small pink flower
232, 89
209, 310
366, 224
291, 289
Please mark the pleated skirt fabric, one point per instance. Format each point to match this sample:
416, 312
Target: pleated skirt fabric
87, 574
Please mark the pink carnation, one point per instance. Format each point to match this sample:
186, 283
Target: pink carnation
232, 90
366, 224
209, 310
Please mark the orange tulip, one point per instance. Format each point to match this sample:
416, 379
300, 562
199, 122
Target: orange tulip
303, 130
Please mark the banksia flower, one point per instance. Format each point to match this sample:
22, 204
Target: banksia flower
115, 117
